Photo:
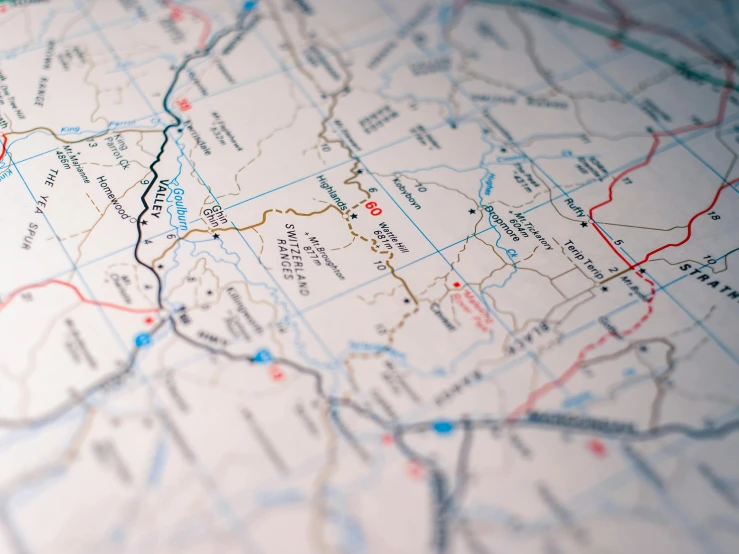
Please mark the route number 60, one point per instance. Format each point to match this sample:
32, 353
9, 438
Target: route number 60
372, 207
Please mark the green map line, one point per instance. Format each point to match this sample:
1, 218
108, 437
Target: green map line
681, 66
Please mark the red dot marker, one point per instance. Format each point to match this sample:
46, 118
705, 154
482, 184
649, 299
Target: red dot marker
176, 14
597, 447
149, 320
276, 373
457, 285
415, 470
387, 439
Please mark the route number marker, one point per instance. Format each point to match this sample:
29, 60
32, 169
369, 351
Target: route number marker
183, 104
372, 207
263, 356
443, 427
597, 448
275, 373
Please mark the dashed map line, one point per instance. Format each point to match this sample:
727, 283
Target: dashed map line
572, 370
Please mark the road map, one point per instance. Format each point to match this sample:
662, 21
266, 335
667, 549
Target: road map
342, 276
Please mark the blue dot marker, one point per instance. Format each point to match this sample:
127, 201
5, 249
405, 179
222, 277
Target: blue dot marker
263, 356
143, 339
249, 5
443, 427
629, 372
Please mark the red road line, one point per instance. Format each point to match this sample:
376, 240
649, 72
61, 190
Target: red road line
690, 223
79, 295
572, 370
64, 283
207, 26
616, 179
4, 147
535, 395
656, 140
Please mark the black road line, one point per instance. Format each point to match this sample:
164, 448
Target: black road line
241, 18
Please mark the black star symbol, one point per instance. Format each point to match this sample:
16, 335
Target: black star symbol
473, 211
359, 171
208, 292
306, 234
160, 266
643, 348
407, 300
354, 216
144, 222
179, 130
642, 270
583, 224
216, 236
604, 289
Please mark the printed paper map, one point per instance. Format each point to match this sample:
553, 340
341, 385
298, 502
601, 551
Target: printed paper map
325, 276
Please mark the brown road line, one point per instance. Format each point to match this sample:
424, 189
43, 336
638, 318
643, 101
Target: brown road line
264, 220
353, 179
399, 278
345, 215
101, 134
604, 281
375, 248
334, 96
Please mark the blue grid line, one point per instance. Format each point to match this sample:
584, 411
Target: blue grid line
665, 148
711, 335
299, 85
463, 239
631, 100
297, 312
708, 333
615, 87
223, 508
672, 507
73, 268
261, 195
366, 154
